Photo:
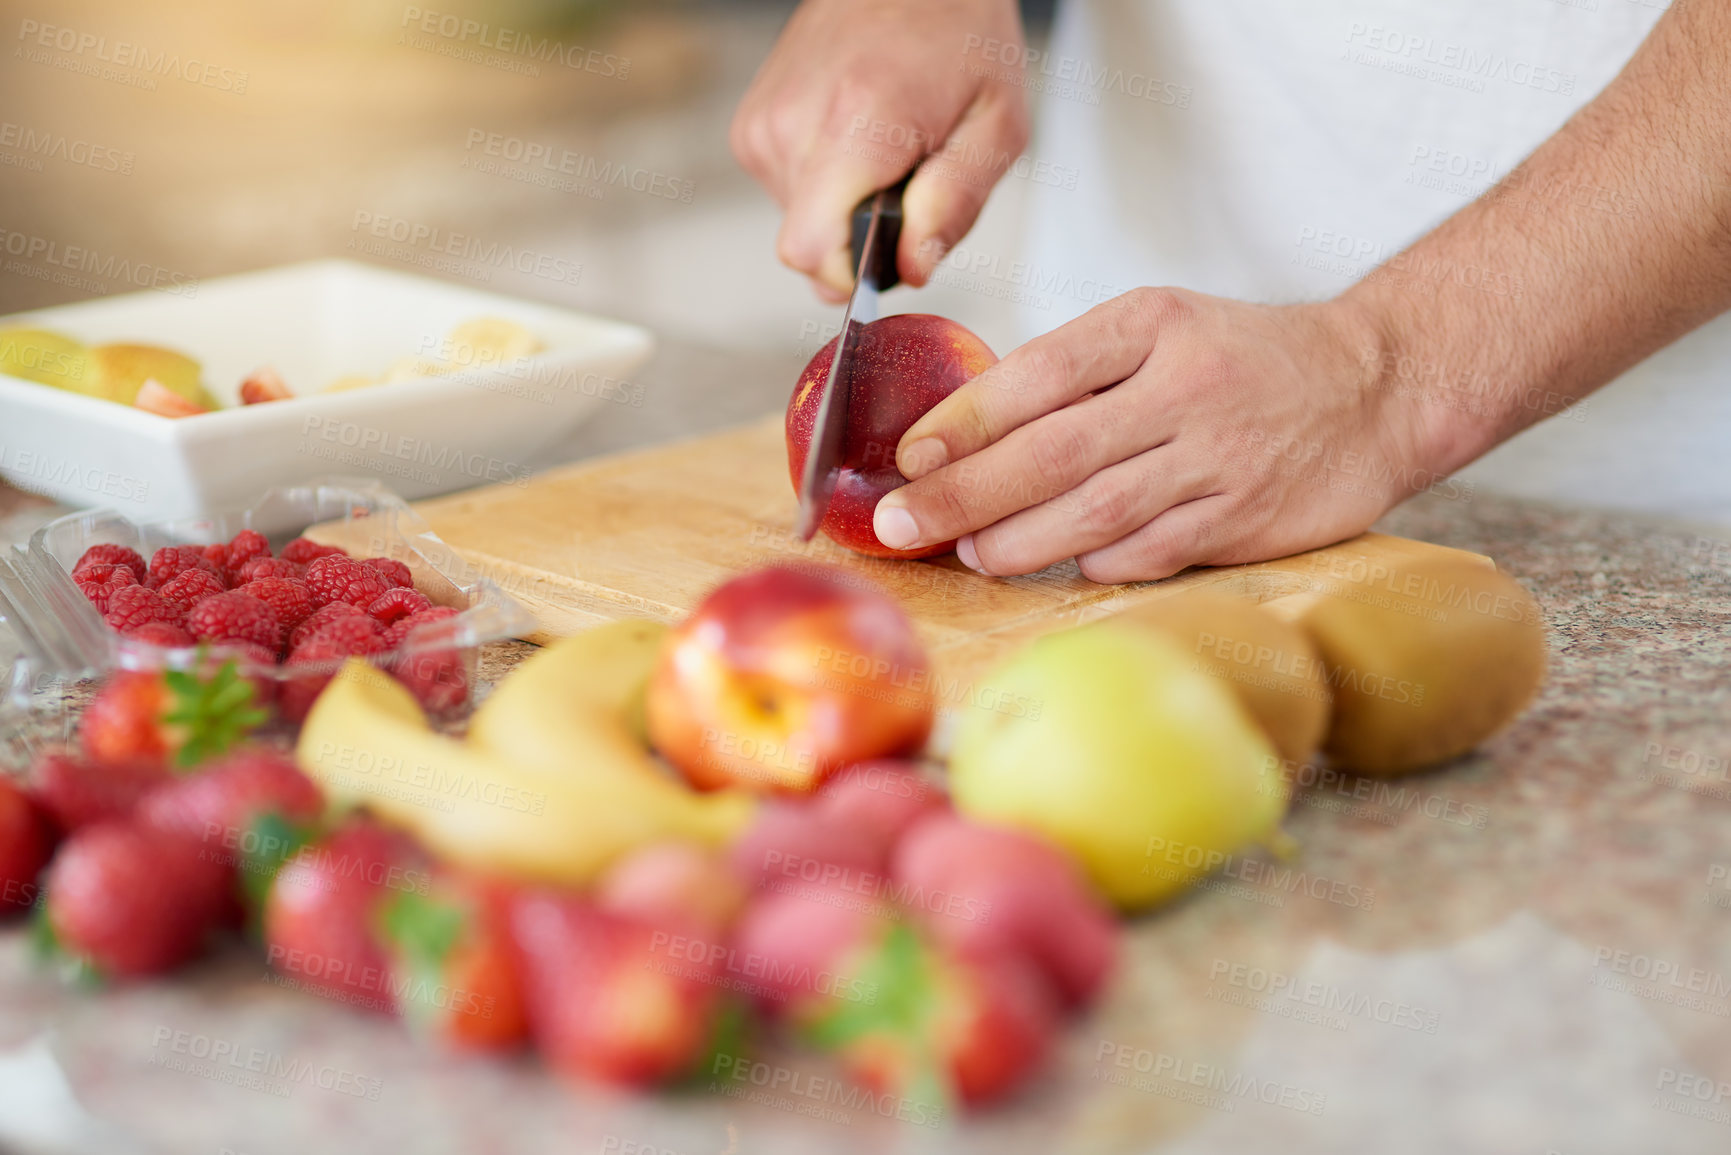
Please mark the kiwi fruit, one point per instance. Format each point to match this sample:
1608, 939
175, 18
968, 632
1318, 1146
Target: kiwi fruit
1425, 660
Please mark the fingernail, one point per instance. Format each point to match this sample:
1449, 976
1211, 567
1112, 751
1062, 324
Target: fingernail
927, 455
969, 555
895, 526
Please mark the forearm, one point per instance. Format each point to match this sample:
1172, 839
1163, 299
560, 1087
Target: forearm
1611, 241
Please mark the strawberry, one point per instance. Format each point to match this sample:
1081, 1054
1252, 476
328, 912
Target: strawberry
235, 617
26, 842
276, 567
177, 715
290, 600
604, 998
791, 841
323, 913
320, 616
188, 587
1007, 893
395, 571
248, 812
802, 948
97, 582
303, 551
162, 634
437, 678
126, 900
264, 385
342, 579
247, 545
222, 800
132, 606
882, 798
397, 603
948, 1026
75, 792
451, 951
671, 884
398, 632
171, 560
109, 554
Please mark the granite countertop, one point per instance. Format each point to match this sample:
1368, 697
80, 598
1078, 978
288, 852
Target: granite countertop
1527, 951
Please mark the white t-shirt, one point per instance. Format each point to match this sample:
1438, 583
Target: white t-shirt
1278, 150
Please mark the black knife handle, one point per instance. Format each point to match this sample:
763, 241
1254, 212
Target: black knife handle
883, 270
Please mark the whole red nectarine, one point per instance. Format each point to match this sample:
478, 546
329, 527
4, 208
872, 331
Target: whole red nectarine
903, 365
782, 675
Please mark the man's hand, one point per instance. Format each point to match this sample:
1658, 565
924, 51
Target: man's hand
855, 94
1161, 430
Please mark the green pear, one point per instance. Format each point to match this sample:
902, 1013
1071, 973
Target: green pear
1151, 773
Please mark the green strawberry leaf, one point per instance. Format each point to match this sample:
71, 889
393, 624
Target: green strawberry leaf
50, 953
215, 712
902, 973
277, 840
729, 1037
421, 933
897, 971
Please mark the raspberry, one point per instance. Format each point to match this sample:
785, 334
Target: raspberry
100, 580
247, 545
275, 567
345, 636
319, 617
319, 564
109, 554
217, 555
189, 587
393, 605
291, 600
399, 632
160, 634
132, 606
435, 677
171, 560
302, 551
348, 635
395, 571
235, 617
345, 580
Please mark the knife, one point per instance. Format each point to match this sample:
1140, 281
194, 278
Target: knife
876, 231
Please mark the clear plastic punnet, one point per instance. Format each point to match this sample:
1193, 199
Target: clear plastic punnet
55, 638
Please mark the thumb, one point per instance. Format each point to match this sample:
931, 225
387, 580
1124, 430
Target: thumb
949, 189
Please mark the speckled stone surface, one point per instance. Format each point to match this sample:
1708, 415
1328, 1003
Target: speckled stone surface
1527, 951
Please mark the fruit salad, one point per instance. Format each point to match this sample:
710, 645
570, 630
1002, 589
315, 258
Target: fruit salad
169, 383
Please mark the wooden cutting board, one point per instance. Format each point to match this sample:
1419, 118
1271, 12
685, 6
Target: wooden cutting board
650, 532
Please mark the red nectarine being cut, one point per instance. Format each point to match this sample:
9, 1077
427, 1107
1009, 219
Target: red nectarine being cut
902, 366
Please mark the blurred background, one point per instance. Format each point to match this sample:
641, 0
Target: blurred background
319, 111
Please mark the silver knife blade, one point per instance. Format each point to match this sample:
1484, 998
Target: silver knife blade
829, 428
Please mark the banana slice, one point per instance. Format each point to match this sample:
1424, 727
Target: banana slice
491, 341
409, 368
351, 381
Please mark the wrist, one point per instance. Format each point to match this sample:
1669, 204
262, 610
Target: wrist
1440, 415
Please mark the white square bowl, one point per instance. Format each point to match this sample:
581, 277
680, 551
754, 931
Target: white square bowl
312, 323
